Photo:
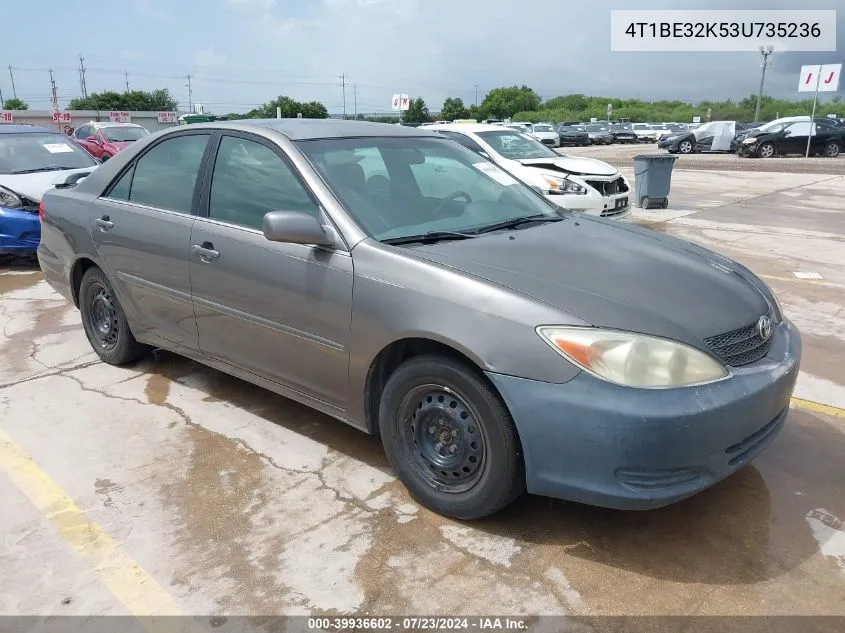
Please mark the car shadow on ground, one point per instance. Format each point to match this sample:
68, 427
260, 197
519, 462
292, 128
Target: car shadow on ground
748, 528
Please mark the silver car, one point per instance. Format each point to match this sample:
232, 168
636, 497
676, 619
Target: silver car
398, 281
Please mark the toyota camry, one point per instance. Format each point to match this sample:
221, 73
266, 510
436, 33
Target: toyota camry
402, 283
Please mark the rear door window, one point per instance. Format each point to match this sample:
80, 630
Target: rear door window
165, 176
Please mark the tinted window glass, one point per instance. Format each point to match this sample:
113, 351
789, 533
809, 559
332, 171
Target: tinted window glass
83, 132
251, 180
802, 128
464, 140
120, 191
165, 176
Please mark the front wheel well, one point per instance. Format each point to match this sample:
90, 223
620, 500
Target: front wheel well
391, 357
80, 266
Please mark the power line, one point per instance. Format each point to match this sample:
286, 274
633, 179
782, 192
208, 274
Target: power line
12, 77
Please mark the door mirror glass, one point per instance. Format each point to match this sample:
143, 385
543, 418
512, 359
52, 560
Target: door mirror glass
294, 227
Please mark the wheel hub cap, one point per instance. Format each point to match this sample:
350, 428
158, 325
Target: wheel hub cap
103, 319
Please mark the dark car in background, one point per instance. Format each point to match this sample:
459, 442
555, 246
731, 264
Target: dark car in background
623, 133
571, 135
790, 136
713, 136
599, 134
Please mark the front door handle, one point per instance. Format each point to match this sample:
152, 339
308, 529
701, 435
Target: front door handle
104, 223
205, 251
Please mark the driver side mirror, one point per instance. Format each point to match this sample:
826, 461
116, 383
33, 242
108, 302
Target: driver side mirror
91, 139
294, 227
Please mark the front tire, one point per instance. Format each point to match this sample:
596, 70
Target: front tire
450, 438
766, 150
104, 321
685, 147
832, 149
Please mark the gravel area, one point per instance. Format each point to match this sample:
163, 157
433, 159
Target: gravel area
623, 156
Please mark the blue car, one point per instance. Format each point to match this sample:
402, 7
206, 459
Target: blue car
32, 159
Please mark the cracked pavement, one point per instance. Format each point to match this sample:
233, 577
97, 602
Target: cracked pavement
238, 501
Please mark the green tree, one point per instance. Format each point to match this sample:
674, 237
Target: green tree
16, 104
417, 112
505, 102
290, 109
134, 100
453, 108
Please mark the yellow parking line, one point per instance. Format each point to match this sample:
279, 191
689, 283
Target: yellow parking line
817, 407
123, 576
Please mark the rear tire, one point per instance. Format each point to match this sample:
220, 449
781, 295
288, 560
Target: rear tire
450, 438
104, 321
832, 149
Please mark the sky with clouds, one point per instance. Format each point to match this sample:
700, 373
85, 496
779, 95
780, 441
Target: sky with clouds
242, 53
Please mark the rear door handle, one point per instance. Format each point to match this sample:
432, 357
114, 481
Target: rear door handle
104, 223
205, 251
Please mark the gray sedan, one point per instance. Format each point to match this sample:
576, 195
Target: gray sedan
403, 284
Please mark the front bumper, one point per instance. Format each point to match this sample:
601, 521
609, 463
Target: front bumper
593, 442
746, 149
598, 200
20, 231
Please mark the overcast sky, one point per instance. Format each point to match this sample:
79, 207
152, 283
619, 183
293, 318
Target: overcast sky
242, 53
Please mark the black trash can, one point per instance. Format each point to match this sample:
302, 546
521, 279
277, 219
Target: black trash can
652, 178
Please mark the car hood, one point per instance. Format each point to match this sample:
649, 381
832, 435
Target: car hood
572, 165
614, 276
34, 185
119, 145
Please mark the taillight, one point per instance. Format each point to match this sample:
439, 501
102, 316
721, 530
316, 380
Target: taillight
41, 210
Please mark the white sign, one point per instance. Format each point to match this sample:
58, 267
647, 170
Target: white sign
199, 108
58, 148
609, 110
61, 117
119, 117
7, 116
826, 77
696, 119
400, 102
167, 117
593, 119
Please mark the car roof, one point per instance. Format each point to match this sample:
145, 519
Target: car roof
19, 128
312, 129
474, 128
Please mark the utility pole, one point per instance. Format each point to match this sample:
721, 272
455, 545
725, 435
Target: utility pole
2, 101
126, 77
12, 77
190, 94
343, 86
54, 94
355, 100
82, 85
476, 95
765, 52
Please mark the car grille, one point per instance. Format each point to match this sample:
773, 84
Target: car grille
741, 346
609, 187
611, 213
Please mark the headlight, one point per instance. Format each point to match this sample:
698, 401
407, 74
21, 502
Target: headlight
562, 185
10, 199
633, 360
749, 141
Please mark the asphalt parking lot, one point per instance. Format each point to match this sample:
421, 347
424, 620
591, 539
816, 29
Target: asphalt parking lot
169, 487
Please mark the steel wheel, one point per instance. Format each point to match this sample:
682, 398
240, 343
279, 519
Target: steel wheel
685, 147
102, 317
832, 150
767, 150
441, 438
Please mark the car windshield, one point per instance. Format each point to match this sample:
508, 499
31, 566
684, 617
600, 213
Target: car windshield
400, 187
120, 134
543, 128
596, 128
640, 126
774, 126
516, 146
620, 128
31, 152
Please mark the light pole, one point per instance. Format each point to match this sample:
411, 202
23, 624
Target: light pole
765, 52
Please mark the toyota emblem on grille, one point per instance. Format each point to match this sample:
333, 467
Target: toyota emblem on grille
764, 327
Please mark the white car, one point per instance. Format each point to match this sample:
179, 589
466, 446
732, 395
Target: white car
645, 132
32, 160
546, 134
581, 184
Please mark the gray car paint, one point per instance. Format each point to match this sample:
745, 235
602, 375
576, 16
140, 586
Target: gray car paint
314, 335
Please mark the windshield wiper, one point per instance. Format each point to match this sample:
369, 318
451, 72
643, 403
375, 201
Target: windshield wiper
37, 169
515, 222
427, 237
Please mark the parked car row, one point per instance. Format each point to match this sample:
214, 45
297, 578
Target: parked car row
789, 135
